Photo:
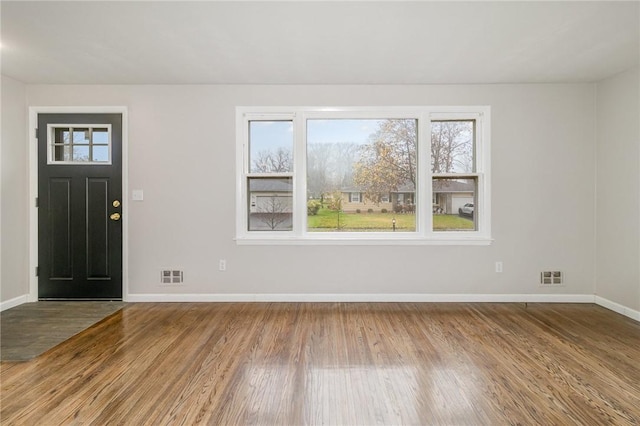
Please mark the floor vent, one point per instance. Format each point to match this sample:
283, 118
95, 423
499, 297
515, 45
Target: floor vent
171, 276
551, 278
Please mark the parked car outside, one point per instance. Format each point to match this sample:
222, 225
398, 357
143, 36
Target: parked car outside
466, 210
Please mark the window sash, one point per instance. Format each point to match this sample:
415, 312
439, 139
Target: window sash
282, 146
424, 233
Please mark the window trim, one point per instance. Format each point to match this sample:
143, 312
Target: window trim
424, 234
51, 127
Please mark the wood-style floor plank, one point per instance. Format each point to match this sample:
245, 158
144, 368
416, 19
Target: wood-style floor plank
335, 364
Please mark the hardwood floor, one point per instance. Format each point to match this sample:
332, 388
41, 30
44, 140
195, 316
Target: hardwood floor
336, 363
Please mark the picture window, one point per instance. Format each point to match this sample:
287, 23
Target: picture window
416, 175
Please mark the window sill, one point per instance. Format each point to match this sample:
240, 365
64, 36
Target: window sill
344, 240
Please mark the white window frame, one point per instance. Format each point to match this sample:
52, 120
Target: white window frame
50, 144
424, 234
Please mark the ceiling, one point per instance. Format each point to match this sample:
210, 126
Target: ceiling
347, 42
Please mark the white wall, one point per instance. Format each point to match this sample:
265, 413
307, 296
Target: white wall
181, 153
618, 189
14, 216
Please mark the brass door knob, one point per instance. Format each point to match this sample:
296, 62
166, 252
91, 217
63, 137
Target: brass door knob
115, 216
116, 203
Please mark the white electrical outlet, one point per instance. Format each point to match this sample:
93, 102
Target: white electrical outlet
222, 265
498, 266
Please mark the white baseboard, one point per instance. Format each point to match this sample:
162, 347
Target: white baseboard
362, 297
616, 307
8, 304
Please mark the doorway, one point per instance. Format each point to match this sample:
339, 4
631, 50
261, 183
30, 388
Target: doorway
79, 206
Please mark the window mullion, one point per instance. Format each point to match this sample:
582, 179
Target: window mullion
90, 144
424, 189
299, 175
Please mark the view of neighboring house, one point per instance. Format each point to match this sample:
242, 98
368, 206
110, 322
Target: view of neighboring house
270, 204
451, 195
269, 195
402, 200
448, 197
275, 196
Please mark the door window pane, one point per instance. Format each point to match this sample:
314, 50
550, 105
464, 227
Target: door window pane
62, 153
100, 153
80, 153
61, 135
270, 147
100, 136
81, 136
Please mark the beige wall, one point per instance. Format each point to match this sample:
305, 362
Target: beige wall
544, 148
14, 215
182, 154
618, 189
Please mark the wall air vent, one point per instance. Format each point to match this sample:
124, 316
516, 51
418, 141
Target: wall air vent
171, 276
551, 278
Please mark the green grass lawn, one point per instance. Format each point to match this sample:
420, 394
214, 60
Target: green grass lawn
327, 220
451, 222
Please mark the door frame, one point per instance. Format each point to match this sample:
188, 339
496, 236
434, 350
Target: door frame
33, 187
